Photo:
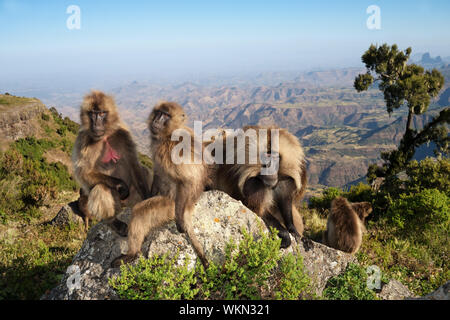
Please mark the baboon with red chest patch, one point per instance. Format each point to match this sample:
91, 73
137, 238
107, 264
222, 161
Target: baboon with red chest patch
106, 163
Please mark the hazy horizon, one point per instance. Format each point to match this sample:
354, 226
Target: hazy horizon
120, 40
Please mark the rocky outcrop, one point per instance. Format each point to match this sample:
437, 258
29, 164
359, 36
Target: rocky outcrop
21, 121
441, 293
217, 219
66, 215
394, 290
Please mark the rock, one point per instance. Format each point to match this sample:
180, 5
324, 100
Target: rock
217, 219
376, 184
440, 293
323, 262
67, 214
22, 121
394, 290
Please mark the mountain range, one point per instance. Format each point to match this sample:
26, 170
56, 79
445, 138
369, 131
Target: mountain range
342, 131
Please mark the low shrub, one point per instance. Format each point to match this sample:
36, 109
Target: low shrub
415, 211
246, 273
28, 181
350, 285
428, 174
324, 202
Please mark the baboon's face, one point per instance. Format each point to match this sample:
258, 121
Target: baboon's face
363, 209
97, 122
270, 181
368, 209
166, 118
159, 121
270, 166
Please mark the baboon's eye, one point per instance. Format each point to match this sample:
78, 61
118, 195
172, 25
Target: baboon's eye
165, 114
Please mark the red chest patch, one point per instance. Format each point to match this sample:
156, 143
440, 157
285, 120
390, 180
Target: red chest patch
110, 153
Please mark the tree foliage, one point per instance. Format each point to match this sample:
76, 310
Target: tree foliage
404, 85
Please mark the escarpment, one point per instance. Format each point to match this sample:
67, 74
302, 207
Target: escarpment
20, 117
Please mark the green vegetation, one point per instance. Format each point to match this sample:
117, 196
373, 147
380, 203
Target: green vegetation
428, 174
34, 256
64, 124
253, 270
408, 238
408, 85
145, 160
33, 259
324, 202
28, 181
408, 233
417, 212
351, 285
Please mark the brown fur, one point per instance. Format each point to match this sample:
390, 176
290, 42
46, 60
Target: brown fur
103, 184
272, 204
176, 187
345, 224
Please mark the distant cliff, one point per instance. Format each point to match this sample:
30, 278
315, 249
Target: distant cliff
19, 117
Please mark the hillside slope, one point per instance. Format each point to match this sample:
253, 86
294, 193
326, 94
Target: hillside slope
35, 181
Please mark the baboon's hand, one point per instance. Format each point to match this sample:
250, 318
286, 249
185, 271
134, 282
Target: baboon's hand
123, 190
294, 232
285, 241
180, 226
120, 227
123, 259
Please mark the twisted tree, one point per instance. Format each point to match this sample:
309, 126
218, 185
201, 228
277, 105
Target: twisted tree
404, 85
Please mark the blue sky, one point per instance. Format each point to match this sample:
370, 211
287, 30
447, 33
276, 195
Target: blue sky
139, 37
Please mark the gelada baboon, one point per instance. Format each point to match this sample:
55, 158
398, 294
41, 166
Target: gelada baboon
273, 195
105, 161
345, 226
176, 185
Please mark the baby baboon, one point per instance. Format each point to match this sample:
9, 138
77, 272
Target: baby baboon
272, 196
345, 224
105, 161
176, 185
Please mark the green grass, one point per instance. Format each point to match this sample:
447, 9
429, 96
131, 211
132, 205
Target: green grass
4, 100
145, 160
315, 223
418, 260
33, 259
9, 100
